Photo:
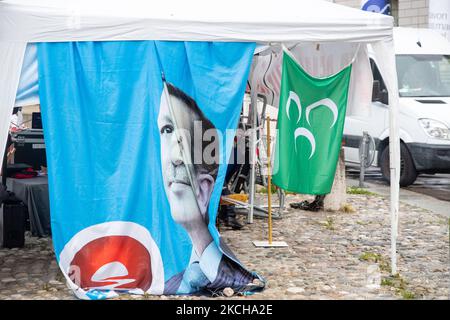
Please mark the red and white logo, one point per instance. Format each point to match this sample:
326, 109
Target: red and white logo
114, 255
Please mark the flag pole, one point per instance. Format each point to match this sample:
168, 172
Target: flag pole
270, 243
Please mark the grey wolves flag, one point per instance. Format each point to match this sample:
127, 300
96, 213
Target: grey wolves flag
379, 6
311, 118
124, 215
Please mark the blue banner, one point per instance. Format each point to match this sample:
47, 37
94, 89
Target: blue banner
132, 207
378, 6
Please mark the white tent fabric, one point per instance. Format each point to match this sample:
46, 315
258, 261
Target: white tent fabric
319, 61
385, 57
197, 20
266, 22
11, 58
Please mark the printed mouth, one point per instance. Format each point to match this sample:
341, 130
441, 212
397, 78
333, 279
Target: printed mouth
179, 181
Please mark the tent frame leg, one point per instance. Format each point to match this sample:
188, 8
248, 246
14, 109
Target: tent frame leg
254, 114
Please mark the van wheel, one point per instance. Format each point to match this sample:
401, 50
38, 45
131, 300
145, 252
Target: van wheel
408, 173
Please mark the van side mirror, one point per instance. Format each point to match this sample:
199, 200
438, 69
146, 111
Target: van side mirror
378, 94
376, 90
384, 97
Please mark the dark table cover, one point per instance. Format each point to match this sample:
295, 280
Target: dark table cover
34, 193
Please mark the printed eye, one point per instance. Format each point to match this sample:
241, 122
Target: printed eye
168, 128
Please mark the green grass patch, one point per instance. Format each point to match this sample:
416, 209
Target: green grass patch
347, 208
356, 190
264, 189
329, 223
407, 295
400, 285
370, 256
274, 190
376, 258
386, 282
394, 281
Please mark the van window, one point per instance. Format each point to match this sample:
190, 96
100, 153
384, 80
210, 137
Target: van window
377, 75
423, 75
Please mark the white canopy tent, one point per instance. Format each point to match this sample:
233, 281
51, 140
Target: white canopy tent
266, 22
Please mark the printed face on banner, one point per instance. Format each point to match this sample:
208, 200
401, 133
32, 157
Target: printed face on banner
188, 184
188, 203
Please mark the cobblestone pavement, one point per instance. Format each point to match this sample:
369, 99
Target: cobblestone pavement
331, 255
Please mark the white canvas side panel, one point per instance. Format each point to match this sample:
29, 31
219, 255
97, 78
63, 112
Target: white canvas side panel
11, 59
324, 59
360, 92
319, 60
329, 58
384, 54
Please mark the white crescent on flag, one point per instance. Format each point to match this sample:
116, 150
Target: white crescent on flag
303, 132
294, 96
324, 102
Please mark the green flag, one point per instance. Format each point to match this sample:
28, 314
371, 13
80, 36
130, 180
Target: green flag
310, 123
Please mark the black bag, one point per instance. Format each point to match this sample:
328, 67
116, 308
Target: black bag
13, 214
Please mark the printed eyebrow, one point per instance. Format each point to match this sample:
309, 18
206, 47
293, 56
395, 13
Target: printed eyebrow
166, 119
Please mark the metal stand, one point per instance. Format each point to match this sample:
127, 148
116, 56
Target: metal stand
366, 156
269, 243
259, 211
363, 159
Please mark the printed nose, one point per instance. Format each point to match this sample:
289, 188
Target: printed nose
175, 152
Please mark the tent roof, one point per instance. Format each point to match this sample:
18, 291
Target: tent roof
261, 21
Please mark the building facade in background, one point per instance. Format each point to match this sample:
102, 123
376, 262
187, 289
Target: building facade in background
407, 13
439, 17
433, 14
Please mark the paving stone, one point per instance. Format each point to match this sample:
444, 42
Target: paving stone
295, 290
8, 280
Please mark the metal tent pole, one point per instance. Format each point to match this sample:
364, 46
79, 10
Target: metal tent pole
254, 113
394, 159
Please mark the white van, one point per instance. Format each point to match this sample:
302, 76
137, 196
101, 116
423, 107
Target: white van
423, 70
